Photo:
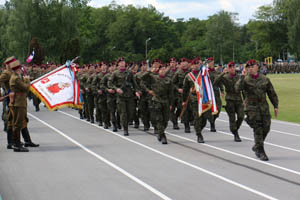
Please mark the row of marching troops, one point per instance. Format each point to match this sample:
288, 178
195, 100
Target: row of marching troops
15, 85
283, 67
121, 95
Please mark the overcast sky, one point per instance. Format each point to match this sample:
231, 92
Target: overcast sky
193, 8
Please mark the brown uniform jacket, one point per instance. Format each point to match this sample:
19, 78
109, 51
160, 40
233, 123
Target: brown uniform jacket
20, 89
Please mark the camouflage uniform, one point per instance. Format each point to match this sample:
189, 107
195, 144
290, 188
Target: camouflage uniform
125, 102
111, 102
161, 101
143, 106
90, 97
101, 100
35, 100
257, 111
178, 84
234, 103
213, 74
82, 82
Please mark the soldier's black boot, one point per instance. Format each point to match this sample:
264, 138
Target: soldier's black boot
164, 139
92, 120
18, 147
115, 129
119, 125
27, 138
262, 154
10, 141
158, 137
100, 123
136, 124
200, 138
130, 123
175, 126
187, 128
88, 119
192, 123
126, 131
105, 125
146, 126
81, 115
212, 127
236, 137
37, 108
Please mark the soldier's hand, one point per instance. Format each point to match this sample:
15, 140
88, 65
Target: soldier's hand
120, 91
137, 94
151, 92
225, 70
180, 90
170, 108
244, 72
276, 111
87, 89
82, 91
2, 99
111, 91
183, 104
99, 91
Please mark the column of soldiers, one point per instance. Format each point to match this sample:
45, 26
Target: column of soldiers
283, 67
161, 93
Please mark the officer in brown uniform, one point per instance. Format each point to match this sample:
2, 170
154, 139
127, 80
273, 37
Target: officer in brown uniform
18, 106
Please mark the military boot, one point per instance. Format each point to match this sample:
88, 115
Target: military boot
136, 124
18, 147
236, 137
10, 141
27, 138
175, 126
159, 137
212, 127
119, 125
164, 139
81, 115
187, 128
115, 129
200, 138
37, 108
262, 154
126, 131
92, 120
106, 125
146, 126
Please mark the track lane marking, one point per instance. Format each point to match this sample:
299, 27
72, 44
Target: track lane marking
179, 160
124, 172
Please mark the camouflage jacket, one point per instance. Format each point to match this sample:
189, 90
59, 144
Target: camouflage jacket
104, 87
188, 83
125, 81
217, 87
96, 85
255, 91
89, 85
229, 82
162, 87
178, 80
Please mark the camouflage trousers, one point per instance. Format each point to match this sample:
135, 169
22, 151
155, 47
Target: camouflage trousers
101, 107
235, 112
199, 121
176, 110
112, 109
219, 107
144, 111
260, 122
126, 108
91, 106
161, 114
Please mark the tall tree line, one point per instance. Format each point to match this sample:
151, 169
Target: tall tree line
67, 28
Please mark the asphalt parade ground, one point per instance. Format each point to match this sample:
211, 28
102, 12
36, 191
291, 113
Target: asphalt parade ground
78, 160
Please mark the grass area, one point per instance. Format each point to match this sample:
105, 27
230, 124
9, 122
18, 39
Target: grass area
287, 87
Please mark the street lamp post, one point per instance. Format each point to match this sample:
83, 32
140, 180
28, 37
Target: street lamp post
146, 46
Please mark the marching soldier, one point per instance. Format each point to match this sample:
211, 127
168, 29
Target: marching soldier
178, 84
123, 83
143, 105
162, 96
217, 89
90, 94
190, 96
255, 87
234, 103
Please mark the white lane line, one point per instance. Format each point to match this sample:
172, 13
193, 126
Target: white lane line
272, 130
268, 143
179, 160
135, 179
237, 154
275, 121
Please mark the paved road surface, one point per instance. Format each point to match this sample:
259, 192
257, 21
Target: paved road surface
81, 161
